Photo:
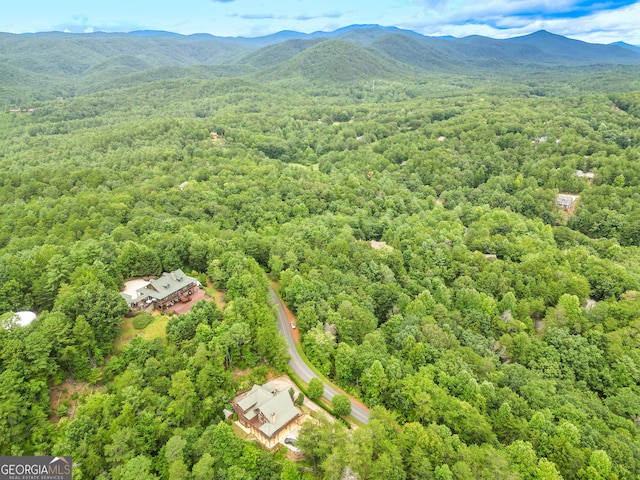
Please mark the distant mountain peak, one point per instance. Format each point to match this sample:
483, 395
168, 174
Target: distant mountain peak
545, 32
541, 34
154, 33
628, 46
361, 25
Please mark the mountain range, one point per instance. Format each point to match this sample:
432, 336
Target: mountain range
65, 64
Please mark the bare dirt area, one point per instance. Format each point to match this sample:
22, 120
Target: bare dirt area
68, 392
219, 299
237, 373
218, 296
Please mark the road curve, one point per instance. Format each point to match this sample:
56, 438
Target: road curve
301, 369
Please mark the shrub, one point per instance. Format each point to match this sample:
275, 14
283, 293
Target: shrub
315, 389
63, 409
142, 320
341, 405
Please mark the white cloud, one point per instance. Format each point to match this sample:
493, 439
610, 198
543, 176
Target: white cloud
605, 26
611, 26
453, 11
75, 27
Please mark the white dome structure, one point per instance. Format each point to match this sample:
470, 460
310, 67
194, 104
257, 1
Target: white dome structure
25, 318
11, 320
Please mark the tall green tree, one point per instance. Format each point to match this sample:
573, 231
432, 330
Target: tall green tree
315, 389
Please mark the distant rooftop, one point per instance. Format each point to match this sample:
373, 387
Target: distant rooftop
380, 245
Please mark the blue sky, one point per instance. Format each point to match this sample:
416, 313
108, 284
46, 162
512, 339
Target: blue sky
600, 22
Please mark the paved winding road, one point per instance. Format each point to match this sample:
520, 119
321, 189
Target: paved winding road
301, 369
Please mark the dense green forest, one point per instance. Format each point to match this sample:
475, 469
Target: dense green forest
273, 177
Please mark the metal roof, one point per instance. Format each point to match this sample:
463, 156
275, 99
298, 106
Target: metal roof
168, 284
277, 408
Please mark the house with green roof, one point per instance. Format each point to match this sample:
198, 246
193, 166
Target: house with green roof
163, 292
267, 413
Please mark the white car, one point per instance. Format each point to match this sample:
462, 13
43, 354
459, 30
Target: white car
293, 325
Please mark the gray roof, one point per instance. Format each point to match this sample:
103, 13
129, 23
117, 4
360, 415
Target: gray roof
256, 397
126, 297
270, 387
168, 284
565, 199
278, 409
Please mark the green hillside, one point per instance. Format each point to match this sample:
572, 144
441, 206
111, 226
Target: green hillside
334, 61
58, 64
558, 49
274, 54
416, 52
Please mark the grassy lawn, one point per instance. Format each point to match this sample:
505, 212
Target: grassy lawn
156, 329
241, 433
217, 295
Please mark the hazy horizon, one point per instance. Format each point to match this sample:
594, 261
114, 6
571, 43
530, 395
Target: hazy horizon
603, 22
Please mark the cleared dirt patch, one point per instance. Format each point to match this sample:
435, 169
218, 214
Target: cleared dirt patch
68, 392
217, 295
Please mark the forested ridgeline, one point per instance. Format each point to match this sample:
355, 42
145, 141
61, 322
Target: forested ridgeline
238, 181
43, 66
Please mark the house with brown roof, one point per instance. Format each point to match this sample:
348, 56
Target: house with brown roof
266, 413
